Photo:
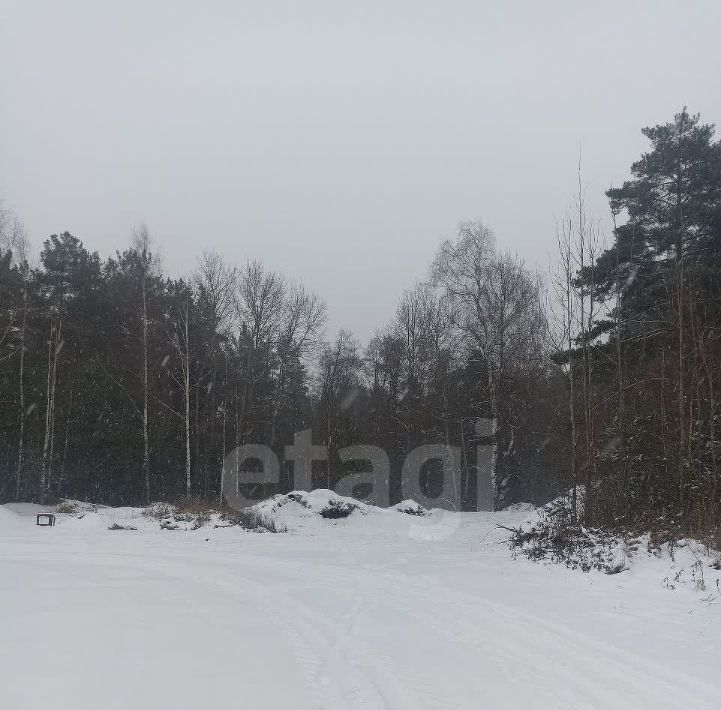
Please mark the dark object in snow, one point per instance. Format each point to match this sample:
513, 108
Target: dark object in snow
298, 498
617, 566
338, 509
115, 526
168, 525
250, 519
45, 520
412, 508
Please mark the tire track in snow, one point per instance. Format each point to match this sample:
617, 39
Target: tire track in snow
339, 676
555, 657
347, 670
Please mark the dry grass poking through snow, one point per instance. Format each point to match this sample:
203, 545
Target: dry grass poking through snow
198, 512
66, 507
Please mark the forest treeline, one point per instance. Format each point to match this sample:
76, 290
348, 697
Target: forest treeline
122, 384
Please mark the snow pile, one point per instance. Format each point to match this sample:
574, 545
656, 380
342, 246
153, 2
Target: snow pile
297, 505
20, 515
302, 508
322, 508
8, 518
78, 508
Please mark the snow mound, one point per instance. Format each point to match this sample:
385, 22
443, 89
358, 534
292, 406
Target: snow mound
8, 518
26, 509
20, 514
410, 507
323, 502
327, 504
70, 506
303, 509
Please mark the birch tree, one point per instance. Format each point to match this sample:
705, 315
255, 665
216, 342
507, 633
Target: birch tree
148, 264
494, 301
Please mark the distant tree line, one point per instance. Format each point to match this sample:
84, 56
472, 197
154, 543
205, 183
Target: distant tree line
121, 384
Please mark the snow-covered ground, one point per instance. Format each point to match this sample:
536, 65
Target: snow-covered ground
381, 609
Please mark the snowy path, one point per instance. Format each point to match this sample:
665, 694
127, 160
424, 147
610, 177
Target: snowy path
362, 613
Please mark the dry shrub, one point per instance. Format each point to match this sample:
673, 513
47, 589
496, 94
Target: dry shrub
159, 510
195, 506
337, 509
196, 511
250, 519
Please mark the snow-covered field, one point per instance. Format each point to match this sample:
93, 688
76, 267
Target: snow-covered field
378, 610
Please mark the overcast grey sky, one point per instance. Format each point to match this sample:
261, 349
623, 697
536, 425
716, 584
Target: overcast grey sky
338, 141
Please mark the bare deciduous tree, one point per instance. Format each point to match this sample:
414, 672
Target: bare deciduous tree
495, 303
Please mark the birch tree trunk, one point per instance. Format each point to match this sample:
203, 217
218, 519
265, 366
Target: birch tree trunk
21, 393
46, 440
225, 429
56, 353
146, 442
49, 438
186, 387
